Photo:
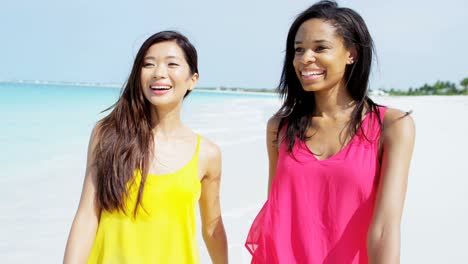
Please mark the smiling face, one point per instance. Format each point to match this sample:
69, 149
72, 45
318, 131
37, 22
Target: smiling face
165, 75
320, 56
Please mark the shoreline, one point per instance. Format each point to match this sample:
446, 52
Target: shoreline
209, 90
247, 91
116, 86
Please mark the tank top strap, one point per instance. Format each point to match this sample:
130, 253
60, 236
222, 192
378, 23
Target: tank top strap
194, 159
382, 110
372, 124
193, 171
197, 149
193, 163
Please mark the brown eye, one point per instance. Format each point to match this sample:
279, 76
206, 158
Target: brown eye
320, 48
299, 50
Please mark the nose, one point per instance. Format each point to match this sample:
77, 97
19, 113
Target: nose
160, 72
308, 57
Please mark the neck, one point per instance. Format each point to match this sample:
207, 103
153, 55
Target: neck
333, 102
167, 121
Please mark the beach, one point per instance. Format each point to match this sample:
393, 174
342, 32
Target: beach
41, 188
434, 220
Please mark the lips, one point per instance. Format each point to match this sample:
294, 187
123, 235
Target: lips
160, 87
310, 75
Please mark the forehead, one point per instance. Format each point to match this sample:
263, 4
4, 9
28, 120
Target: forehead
316, 29
165, 49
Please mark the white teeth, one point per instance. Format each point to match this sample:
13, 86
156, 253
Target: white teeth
311, 73
160, 87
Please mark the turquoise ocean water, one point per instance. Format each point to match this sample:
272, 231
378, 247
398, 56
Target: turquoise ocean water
44, 133
40, 121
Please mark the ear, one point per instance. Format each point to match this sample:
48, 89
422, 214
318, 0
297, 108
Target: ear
352, 56
194, 81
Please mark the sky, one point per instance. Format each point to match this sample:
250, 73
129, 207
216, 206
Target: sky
240, 43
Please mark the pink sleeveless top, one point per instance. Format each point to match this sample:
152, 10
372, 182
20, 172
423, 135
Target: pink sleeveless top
319, 211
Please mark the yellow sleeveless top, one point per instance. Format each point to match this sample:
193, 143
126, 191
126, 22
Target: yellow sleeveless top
163, 230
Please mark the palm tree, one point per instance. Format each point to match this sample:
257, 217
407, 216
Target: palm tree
464, 83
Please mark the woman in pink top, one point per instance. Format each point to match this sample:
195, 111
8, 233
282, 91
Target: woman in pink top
338, 161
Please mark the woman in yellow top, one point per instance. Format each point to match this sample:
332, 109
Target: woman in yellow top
146, 170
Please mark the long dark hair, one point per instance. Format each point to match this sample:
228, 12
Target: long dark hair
125, 135
295, 114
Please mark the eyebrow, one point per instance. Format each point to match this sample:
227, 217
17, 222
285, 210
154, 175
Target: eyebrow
315, 41
167, 57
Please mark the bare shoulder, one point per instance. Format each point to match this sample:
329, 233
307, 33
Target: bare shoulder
97, 130
210, 158
273, 123
208, 149
96, 135
398, 124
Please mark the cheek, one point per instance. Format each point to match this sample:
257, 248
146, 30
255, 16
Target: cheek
339, 67
143, 77
181, 76
296, 60
334, 65
296, 65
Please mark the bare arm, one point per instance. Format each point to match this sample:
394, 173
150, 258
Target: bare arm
272, 149
383, 239
83, 230
213, 231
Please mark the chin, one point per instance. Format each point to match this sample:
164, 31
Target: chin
166, 102
312, 87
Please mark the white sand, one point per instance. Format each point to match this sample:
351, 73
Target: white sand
39, 201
